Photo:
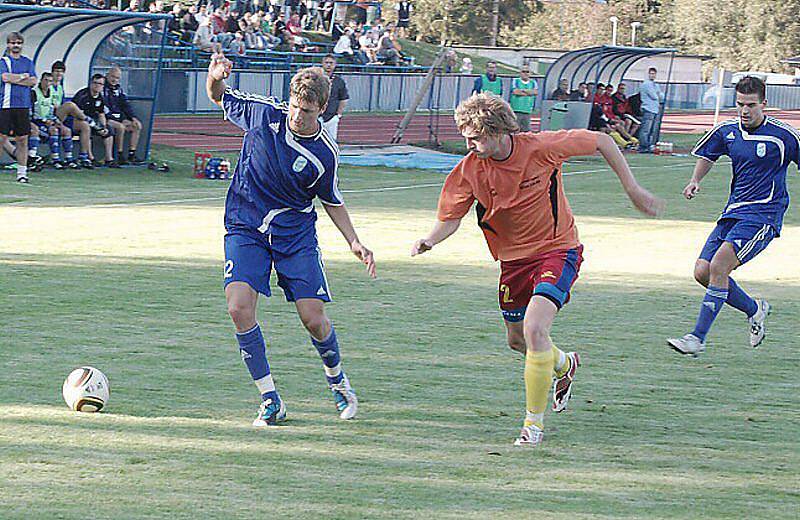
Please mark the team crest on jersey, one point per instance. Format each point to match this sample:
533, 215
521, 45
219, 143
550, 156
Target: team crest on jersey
730, 136
299, 164
761, 149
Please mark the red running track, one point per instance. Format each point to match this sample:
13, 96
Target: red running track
213, 133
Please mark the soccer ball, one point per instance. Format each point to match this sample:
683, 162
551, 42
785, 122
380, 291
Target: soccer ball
86, 389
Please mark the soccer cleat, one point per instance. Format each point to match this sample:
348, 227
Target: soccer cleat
23, 179
58, 165
757, 328
86, 163
345, 398
72, 165
688, 344
562, 386
530, 436
270, 413
111, 164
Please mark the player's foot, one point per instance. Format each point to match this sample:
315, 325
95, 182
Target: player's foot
35, 166
111, 164
132, 159
345, 399
86, 163
72, 165
58, 165
757, 328
689, 345
23, 179
562, 386
270, 413
530, 436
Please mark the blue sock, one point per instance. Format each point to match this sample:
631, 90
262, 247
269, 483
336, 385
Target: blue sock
712, 303
33, 146
329, 352
66, 144
55, 147
738, 299
83, 156
254, 355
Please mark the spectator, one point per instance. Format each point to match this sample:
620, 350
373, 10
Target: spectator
281, 31
524, 90
562, 92
90, 101
651, 97
622, 109
237, 47
121, 117
337, 100
369, 45
201, 15
404, 10
387, 51
134, 7
466, 65
81, 125
204, 37
489, 82
450, 62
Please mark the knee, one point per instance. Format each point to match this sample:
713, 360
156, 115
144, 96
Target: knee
537, 336
517, 344
719, 269
242, 313
317, 324
701, 274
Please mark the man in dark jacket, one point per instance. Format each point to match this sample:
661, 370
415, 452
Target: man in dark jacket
90, 101
121, 117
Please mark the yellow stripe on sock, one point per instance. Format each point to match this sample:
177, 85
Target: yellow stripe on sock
538, 377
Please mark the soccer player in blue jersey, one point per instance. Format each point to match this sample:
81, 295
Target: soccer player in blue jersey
17, 77
761, 149
287, 160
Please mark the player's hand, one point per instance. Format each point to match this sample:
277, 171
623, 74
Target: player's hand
366, 257
691, 189
220, 66
646, 202
421, 246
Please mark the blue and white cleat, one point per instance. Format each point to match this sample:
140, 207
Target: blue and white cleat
270, 413
345, 398
689, 344
757, 329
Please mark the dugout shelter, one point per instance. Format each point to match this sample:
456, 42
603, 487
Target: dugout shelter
604, 64
86, 40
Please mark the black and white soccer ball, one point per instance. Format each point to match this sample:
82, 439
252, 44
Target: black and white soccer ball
86, 389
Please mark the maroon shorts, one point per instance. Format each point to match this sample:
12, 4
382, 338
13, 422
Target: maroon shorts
550, 275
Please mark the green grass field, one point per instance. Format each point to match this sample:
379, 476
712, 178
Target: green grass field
123, 271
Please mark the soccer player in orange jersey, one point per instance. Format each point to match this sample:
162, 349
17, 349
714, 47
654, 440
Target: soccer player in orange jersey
528, 224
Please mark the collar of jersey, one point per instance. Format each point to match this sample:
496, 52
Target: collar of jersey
298, 136
748, 130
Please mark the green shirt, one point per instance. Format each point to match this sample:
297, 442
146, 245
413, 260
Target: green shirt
43, 108
495, 87
522, 104
57, 93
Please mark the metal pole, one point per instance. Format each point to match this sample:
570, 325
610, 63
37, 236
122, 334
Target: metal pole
423, 89
719, 94
495, 22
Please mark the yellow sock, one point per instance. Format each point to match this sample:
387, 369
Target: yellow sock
561, 362
538, 377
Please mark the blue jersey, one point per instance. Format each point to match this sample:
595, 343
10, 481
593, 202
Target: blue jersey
760, 160
11, 95
279, 173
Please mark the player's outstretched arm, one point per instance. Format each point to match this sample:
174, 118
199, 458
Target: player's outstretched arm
341, 219
701, 169
644, 201
219, 69
441, 230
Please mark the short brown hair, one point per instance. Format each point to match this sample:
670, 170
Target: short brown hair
752, 85
487, 114
15, 36
311, 84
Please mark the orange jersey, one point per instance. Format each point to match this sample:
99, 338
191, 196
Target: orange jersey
521, 208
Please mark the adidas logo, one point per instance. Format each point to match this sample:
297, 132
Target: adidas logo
730, 135
710, 305
275, 127
738, 243
321, 291
245, 354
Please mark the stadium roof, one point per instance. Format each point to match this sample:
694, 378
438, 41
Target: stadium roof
70, 35
603, 64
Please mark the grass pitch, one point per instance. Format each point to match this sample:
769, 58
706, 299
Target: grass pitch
123, 271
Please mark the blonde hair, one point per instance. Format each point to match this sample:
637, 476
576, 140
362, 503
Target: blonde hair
311, 84
487, 114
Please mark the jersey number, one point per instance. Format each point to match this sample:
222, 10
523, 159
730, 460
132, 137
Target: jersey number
506, 293
228, 268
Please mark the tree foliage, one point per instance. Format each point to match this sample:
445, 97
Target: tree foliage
737, 34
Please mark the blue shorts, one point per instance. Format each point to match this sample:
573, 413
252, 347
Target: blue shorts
250, 256
747, 238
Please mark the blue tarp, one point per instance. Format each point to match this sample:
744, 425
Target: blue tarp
441, 162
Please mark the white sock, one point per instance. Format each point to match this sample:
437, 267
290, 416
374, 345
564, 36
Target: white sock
534, 418
562, 358
22, 171
265, 384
